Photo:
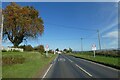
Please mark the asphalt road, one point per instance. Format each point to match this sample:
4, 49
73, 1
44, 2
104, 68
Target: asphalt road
65, 66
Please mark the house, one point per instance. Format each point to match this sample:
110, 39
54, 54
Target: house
12, 49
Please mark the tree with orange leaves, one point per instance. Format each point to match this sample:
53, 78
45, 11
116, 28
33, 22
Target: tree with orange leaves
21, 22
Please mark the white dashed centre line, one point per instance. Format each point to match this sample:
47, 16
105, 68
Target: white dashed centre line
81, 68
84, 70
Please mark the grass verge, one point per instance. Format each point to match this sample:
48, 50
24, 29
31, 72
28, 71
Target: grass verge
106, 60
33, 63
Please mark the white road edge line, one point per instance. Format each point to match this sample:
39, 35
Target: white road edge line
100, 64
49, 68
46, 71
83, 70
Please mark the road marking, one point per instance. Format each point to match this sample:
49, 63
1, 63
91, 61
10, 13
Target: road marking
47, 71
100, 65
56, 58
83, 70
49, 68
61, 59
68, 59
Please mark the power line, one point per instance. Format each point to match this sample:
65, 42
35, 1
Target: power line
78, 38
66, 26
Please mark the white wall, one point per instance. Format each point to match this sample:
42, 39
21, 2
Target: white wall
11, 49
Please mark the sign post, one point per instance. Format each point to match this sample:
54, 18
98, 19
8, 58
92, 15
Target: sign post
54, 51
94, 48
47, 49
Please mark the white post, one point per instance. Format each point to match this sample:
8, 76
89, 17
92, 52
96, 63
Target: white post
54, 51
94, 53
47, 49
94, 48
47, 53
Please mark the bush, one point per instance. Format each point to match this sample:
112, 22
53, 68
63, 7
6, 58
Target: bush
28, 48
16, 59
15, 51
107, 53
50, 51
4, 50
40, 48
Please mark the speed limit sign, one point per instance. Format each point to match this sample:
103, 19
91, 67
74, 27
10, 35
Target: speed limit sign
93, 47
47, 47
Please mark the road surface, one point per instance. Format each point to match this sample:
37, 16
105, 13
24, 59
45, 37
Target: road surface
65, 66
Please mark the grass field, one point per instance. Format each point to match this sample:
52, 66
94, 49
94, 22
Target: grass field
29, 69
112, 61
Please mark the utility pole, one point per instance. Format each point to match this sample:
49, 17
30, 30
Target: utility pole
99, 39
81, 45
1, 32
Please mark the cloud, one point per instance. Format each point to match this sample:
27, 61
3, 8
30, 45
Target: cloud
112, 19
110, 25
112, 34
114, 43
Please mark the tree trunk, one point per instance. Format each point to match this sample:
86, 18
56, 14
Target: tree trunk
15, 44
17, 40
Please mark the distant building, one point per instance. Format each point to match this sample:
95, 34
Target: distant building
12, 49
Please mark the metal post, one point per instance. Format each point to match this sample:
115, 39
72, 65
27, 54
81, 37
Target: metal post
81, 45
99, 39
47, 49
94, 53
47, 53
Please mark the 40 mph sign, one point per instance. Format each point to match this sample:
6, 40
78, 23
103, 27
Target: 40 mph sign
47, 49
93, 47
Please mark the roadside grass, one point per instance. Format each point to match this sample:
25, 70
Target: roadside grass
33, 63
110, 61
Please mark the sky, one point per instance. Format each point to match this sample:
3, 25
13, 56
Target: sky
66, 23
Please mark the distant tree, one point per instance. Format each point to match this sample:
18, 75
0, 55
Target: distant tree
70, 50
28, 48
21, 22
57, 49
21, 46
40, 48
60, 50
35, 48
65, 50
51, 51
